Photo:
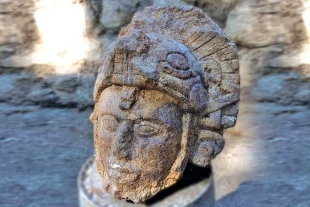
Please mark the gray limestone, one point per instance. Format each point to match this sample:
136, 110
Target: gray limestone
160, 100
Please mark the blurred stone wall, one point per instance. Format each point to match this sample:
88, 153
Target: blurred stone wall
50, 50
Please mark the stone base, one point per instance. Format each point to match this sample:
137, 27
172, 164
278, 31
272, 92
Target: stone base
195, 189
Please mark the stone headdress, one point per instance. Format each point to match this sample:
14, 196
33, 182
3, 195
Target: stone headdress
183, 53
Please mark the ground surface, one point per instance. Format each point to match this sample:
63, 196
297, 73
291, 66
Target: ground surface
266, 160
41, 152
265, 163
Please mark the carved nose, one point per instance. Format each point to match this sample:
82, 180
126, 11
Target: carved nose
122, 144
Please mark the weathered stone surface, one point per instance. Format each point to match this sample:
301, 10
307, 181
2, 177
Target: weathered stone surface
161, 76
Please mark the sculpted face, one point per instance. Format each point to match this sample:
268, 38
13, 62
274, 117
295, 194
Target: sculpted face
143, 137
138, 135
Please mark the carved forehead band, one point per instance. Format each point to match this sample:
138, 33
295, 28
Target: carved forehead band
129, 96
159, 63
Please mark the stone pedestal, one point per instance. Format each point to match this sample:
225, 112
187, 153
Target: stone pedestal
195, 189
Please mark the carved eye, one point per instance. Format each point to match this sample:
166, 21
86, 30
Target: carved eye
109, 123
146, 129
178, 61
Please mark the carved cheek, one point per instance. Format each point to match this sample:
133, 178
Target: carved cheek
106, 129
157, 152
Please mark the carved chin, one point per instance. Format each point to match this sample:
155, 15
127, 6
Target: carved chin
121, 189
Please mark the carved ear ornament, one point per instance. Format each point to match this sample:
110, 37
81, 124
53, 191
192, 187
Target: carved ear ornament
178, 61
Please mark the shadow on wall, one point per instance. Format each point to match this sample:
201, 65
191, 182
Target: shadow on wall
18, 36
43, 54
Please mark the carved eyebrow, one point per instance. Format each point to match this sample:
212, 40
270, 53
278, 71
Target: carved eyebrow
109, 114
137, 120
115, 116
151, 120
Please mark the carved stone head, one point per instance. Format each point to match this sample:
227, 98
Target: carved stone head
166, 90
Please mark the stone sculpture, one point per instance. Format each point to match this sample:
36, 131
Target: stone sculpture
166, 90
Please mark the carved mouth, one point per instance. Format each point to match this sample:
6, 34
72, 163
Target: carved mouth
122, 169
121, 177
122, 173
